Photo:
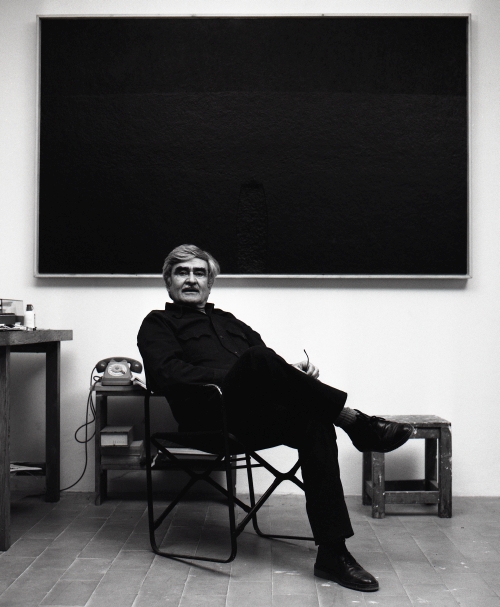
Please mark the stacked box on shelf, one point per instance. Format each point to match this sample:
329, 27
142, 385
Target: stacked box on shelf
119, 448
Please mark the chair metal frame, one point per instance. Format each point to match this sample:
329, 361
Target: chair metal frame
232, 455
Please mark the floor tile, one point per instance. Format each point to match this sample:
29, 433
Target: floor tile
380, 600
429, 592
145, 599
13, 566
249, 594
55, 558
480, 601
295, 600
333, 595
203, 601
293, 581
251, 570
29, 547
70, 539
390, 584
416, 573
133, 559
87, 569
464, 584
373, 561
137, 541
105, 549
70, 592
28, 590
119, 587
123, 599
207, 583
80, 525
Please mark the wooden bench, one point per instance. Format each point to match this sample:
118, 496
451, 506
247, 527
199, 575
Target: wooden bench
435, 488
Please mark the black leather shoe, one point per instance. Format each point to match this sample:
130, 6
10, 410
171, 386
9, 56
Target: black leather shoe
346, 571
378, 434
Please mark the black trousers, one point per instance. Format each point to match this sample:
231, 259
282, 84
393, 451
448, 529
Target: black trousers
269, 403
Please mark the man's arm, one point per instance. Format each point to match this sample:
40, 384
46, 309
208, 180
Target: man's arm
254, 339
163, 358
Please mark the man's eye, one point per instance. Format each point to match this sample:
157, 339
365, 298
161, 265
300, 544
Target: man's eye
201, 274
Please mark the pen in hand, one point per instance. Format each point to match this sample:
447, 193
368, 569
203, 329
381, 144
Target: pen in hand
310, 369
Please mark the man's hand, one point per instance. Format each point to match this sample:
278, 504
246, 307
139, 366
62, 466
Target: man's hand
308, 368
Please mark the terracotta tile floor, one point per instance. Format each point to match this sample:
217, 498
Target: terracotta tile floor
74, 553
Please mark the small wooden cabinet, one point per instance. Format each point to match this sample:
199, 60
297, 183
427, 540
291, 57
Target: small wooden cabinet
101, 420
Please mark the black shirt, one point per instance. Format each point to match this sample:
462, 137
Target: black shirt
181, 345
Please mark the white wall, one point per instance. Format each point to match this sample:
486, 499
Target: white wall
397, 346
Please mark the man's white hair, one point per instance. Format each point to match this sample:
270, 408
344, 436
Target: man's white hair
185, 252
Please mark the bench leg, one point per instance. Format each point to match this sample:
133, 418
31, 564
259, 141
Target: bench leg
367, 475
431, 463
444, 508
378, 483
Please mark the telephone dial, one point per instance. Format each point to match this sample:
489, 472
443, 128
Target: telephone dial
118, 370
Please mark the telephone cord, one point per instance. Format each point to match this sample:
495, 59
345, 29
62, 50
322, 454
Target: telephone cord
86, 424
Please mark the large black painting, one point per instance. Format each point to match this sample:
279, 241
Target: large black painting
283, 145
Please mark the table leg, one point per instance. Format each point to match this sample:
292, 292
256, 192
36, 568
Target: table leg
4, 449
52, 421
444, 508
101, 476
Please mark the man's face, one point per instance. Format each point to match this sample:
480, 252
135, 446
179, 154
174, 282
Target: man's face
189, 285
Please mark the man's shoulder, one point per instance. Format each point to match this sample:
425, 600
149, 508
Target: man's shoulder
156, 314
158, 317
219, 312
169, 311
226, 315
231, 319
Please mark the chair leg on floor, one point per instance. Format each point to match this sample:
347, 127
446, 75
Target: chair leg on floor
280, 477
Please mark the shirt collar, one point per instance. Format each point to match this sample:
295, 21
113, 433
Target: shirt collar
180, 310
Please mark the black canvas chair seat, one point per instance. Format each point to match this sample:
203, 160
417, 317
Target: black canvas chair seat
220, 451
211, 442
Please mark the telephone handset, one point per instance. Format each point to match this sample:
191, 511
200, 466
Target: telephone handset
118, 370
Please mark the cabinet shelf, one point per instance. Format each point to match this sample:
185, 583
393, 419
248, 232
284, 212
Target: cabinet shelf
41, 472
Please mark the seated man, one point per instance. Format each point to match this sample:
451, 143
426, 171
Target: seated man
268, 401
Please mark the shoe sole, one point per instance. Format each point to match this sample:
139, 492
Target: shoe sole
400, 443
326, 575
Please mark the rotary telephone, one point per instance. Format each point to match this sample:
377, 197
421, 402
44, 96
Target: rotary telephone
118, 370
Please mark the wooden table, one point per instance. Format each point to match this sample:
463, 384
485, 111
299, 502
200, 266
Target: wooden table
48, 342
